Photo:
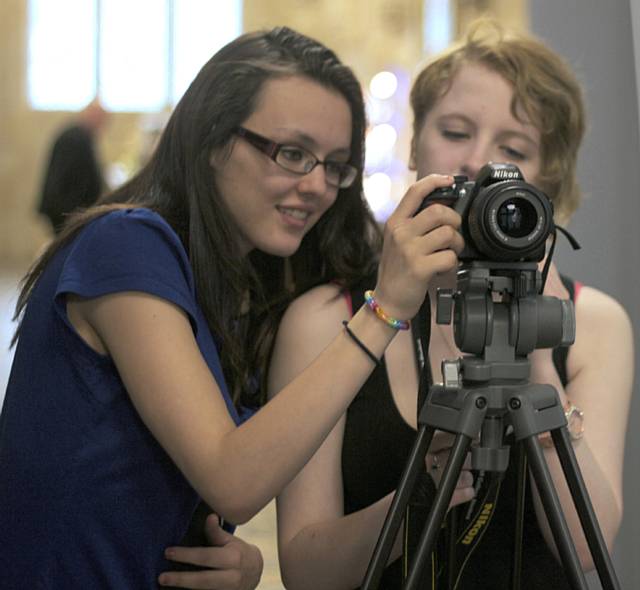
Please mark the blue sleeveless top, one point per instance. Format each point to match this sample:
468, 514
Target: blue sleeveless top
88, 498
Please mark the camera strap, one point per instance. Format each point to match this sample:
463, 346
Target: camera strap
547, 264
464, 526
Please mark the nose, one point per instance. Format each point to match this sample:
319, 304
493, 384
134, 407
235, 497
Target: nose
478, 154
314, 183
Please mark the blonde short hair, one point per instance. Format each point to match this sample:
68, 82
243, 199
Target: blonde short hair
545, 89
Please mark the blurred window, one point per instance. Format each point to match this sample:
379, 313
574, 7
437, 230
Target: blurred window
137, 55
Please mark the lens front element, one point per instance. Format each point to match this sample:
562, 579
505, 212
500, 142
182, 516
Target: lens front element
517, 217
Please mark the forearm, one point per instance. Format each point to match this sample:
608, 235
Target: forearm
602, 491
334, 555
260, 457
607, 505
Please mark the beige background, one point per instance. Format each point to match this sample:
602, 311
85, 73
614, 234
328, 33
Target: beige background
367, 34
596, 36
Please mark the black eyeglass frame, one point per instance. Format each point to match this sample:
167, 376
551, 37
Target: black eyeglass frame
272, 149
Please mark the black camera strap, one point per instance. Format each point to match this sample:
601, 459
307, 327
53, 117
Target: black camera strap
464, 526
547, 264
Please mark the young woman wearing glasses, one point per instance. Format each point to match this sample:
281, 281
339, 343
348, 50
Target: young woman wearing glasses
145, 326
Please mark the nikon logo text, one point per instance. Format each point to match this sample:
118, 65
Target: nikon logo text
478, 524
505, 174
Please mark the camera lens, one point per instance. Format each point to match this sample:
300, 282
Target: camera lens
517, 217
510, 221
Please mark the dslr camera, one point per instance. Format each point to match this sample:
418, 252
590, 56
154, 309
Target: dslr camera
504, 219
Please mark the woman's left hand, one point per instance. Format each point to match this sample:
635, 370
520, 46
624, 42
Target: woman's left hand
235, 565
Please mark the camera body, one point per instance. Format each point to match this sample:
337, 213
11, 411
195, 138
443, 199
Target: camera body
503, 217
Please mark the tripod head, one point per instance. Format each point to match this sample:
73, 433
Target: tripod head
499, 318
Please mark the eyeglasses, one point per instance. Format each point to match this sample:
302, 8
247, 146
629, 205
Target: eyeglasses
300, 161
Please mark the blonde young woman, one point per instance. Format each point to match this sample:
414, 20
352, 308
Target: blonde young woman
493, 97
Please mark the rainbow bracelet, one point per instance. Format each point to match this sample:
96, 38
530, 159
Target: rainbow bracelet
375, 308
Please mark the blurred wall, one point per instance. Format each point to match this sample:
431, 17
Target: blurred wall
597, 38
367, 34
24, 143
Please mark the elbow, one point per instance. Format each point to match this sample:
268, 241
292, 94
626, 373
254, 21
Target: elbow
232, 499
290, 568
291, 581
236, 511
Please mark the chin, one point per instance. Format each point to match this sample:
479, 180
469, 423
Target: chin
282, 249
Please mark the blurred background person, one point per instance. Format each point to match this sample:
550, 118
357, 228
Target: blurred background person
73, 177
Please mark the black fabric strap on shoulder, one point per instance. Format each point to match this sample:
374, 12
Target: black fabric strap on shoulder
421, 333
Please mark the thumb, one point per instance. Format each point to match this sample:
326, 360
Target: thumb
216, 535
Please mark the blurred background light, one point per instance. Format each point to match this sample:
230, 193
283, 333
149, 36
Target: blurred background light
377, 190
383, 85
380, 142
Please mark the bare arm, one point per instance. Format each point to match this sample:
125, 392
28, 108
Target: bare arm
318, 546
235, 470
238, 470
600, 372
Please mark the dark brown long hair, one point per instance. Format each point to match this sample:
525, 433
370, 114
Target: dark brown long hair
179, 183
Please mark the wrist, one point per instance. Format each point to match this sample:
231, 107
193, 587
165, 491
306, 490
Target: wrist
373, 303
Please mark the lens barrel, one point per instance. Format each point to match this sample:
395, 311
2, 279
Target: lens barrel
510, 221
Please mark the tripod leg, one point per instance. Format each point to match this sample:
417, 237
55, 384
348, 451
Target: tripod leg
438, 510
553, 510
587, 515
396, 512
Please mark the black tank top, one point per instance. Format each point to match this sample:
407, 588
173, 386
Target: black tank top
376, 445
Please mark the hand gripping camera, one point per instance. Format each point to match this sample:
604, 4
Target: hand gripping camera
503, 217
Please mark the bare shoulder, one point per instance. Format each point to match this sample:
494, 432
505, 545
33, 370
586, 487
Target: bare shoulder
310, 323
604, 335
597, 309
321, 308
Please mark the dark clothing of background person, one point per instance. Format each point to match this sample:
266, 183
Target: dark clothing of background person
73, 177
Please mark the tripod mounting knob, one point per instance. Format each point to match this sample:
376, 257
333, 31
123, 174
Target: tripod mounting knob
451, 374
444, 306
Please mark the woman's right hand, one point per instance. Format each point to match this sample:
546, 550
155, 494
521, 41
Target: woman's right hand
229, 563
416, 247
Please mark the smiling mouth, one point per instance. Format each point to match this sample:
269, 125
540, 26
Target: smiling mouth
295, 213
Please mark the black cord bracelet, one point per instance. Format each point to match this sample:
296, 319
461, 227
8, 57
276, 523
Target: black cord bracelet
357, 340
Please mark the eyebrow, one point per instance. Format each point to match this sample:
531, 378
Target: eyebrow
509, 133
506, 133
308, 142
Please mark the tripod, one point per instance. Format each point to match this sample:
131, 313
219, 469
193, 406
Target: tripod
487, 391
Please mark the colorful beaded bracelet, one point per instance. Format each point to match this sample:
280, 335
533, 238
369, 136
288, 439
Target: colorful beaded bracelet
375, 307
